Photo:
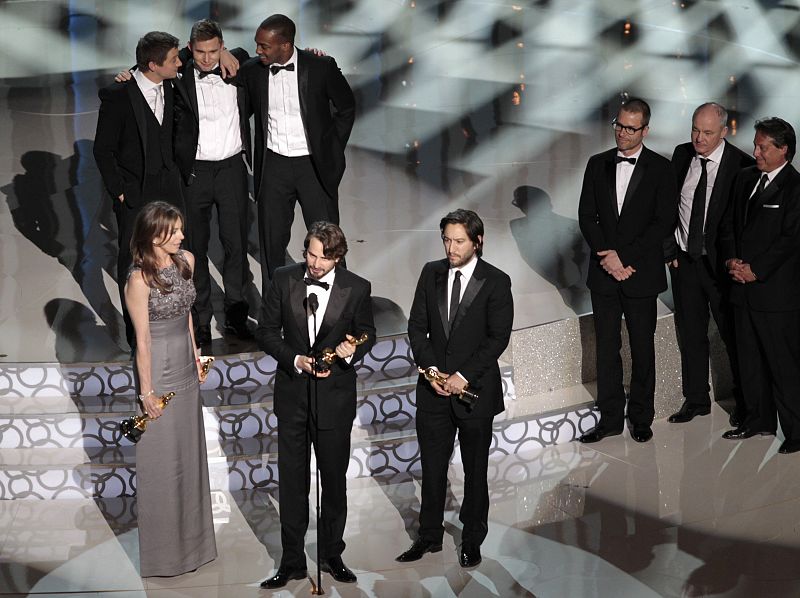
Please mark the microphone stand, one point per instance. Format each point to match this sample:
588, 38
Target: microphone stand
316, 588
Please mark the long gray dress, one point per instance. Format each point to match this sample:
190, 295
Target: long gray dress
176, 531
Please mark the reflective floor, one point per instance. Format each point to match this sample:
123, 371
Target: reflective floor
689, 514
485, 104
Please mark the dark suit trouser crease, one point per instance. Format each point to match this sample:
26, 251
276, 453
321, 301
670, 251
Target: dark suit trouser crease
286, 181
436, 431
769, 351
224, 185
161, 186
640, 320
332, 450
697, 290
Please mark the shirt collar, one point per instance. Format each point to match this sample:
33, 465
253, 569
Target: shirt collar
144, 83
467, 269
773, 173
634, 155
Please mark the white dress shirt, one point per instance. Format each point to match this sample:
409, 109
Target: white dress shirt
624, 174
153, 93
687, 193
286, 134
218, 111
770, 177
467, 270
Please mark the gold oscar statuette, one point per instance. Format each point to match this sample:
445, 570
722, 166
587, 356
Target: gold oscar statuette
133, 427
327, 356
433, 375
206, 361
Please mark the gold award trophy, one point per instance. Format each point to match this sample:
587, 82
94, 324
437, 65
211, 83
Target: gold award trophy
206, 361
433, 375
327, 356
133, 427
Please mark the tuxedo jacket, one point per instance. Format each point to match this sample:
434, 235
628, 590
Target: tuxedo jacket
637, 233
327, 107
480, 334
733, 160
187, 114
120, 143
766, 236
283, 333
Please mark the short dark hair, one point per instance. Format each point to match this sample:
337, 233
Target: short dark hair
471, 222
334, 244
154, 47
638, 106
281, 25
204, 30
781, 133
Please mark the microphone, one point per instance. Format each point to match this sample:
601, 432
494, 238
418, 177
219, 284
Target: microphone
313, 302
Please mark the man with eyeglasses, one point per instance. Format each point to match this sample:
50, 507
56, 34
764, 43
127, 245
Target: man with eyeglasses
627, 208
705, 169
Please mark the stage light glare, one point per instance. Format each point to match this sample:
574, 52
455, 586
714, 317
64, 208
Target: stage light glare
410, 60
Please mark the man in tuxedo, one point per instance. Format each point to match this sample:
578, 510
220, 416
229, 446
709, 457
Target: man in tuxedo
212, 136
291, 333
460, 324
304, 111
705, 170
626, 210
760, 240
133, 142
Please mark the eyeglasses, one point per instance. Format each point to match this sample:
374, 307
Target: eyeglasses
628, 130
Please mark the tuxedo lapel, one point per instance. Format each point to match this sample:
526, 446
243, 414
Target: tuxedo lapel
611, 183
190, 85
139, 104
715, 202
336, 303
440, 285
473, 287
262, 85
636, 179
302, 84
297, 299
770, 191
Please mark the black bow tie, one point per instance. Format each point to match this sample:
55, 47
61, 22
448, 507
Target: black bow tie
624, 159
203, 74
276, 68
315, 282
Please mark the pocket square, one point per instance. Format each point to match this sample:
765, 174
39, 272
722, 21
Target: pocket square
771, 205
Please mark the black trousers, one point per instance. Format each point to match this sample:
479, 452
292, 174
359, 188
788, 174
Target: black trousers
769, 364
332, 449
436, 432
697, 291
287, 181
222, 185
165, 186
640, 320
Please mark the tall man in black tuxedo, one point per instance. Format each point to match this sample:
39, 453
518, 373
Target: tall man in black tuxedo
460, 324
212, 133
304, 111
286, 332
705, 170
626, 210
133, 142
761, 241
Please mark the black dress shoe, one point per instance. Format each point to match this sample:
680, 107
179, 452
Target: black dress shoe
418, 548
597, 433
743, 432
283, 576
688, 412
469, 555
338, 570
202, 335
641, 433
238, 329
789, 446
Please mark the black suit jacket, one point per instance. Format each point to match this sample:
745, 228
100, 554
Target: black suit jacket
768, 239
480, 334
187, 116
283, 334
120, 140
638, 232
327, 107
733, 160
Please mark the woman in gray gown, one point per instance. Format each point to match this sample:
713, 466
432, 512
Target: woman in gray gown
176, 531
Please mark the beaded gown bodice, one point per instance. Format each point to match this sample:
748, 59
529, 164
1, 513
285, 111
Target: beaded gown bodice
177, 302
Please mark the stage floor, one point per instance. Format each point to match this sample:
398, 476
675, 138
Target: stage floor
688, 514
